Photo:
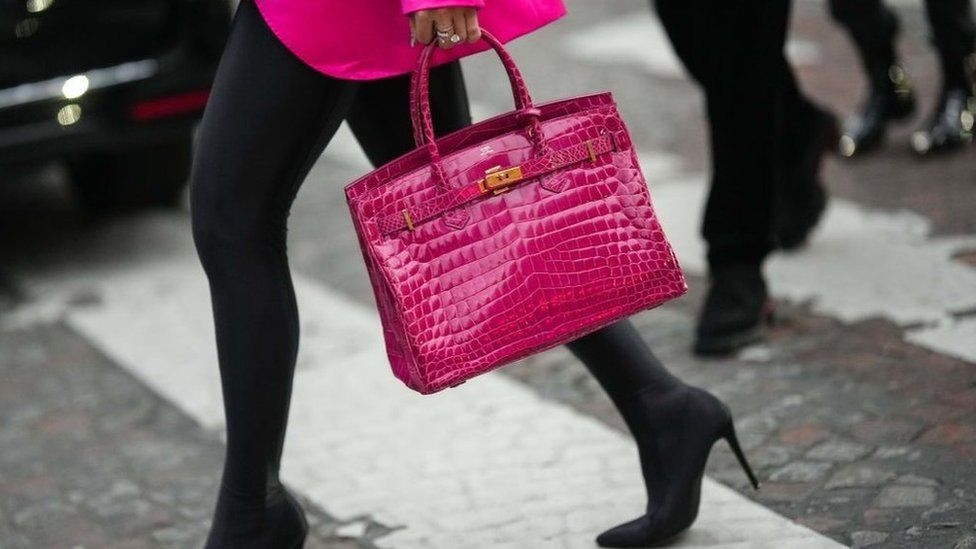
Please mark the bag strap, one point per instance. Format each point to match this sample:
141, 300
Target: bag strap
495, 182
420, 79
423, 126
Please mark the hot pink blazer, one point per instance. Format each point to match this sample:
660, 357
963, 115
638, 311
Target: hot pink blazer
369, 39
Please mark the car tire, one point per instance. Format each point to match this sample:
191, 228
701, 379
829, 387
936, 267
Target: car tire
147, 176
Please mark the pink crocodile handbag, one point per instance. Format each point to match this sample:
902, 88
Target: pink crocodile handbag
508, 237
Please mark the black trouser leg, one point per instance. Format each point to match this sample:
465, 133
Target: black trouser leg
954, 35
268, 120
872, 27
735, 51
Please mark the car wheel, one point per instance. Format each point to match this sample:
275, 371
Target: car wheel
151, 175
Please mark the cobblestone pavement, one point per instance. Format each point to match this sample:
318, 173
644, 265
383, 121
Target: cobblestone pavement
865, 446
92, 457
858, 434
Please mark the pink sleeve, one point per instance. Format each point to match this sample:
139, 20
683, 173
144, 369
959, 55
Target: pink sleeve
410, 6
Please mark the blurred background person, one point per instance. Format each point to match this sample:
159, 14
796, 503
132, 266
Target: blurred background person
767, 141
873, 28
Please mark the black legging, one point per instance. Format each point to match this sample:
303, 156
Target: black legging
268, 120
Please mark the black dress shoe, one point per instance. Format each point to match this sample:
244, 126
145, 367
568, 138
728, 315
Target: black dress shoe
800, 195
736, 313
951, 126
891, 98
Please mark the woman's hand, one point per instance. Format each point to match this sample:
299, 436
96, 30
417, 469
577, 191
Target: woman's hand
449, 26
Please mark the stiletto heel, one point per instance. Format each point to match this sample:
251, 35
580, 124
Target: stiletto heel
733, 440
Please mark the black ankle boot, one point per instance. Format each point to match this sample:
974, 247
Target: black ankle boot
951, 126
736, 312
890, 98
278, 523
675, 432
800, 194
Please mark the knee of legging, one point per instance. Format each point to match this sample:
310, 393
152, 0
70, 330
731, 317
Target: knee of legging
225, 221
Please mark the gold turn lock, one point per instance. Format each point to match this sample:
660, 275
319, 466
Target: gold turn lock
497, 180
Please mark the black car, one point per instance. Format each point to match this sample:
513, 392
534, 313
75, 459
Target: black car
111, 87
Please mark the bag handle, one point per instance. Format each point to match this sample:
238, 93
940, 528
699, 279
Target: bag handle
423, 126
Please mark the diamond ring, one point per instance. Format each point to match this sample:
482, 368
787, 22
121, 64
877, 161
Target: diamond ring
445, 33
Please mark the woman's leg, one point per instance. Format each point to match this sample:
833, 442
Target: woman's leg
674, 426
380, 114
268, 119
622, 362
628, 371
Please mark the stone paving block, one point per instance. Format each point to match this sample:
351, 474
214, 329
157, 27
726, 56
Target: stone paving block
884, 430
770, 455
916, 480
968, 542
800, 471
839, 451
906, 496
889, 452
822, 523
858, 476
874, 516
867, 538
804, 435
942, 508
786, 492
949, 433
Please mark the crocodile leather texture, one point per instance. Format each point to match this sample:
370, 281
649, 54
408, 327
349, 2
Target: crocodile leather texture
508, 237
